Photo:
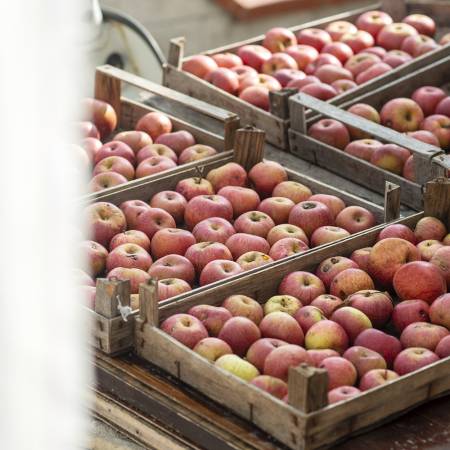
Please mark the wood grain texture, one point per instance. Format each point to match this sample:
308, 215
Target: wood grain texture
109, 294
391, 202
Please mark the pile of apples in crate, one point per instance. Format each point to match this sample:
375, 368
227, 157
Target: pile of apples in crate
425, 116
335, 318
211, 228
151, 148
321, 63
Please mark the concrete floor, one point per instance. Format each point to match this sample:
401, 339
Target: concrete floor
104, 437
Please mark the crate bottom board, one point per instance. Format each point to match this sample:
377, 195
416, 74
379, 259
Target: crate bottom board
152, 392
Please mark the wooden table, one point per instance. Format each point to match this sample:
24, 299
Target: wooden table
156, 406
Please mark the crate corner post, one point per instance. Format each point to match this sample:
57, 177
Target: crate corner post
437, 199
249, 147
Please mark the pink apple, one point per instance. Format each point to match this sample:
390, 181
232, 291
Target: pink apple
191, 187
274, 386
315, 37
155, 124
241, 198
334, 204
331, 267
363, 148
185, 328
251, 260
441, 259
281, 325
367, 112
224, 79
257, 96
422, 334
440, 312
422, 23
278, 208
254, 222
304, 286
328, 73
396, 58
358, 41
91, 146
292, 190
320, 90
286, 75
199, 65
106, 180
136, 277
171, 287
341, 372
352, 320
326, 234
361, 257
130, 237
341, 86
310, 215
171, 241
377, 305
397, 230
355, 219
286, 230
443, 107
409, 170
204, 252
279, 360
315, 357
330, 132
342, 393
86, 129
254, 55
196, 152
338, 28
412, 359
278, 61
94, 257
212, 348
260, 349
214, 229
302, 54
176, 140
402, 114
378, 51
134, 139
361, 62
218, 270
203, 207
260, 80
154, 164
241, 243
300, 83
172, 202
278, 39
425, 136
230, 174
430, 228
152, 220
227, 59
114, 148
239, 333
428, 248
350, 281
242, 305
265, 175
155, 150
373, 21
173, 266
376, 377
408, 312
128, 256
418, 45
101, 113
132, 209
286, 247
307, 316
439, 125
386, 345
327, 304
115, 164
364, 359
374, 71
443, 348
392, 35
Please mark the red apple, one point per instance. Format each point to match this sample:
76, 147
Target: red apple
397, 230
374, 71
439, 125
212, 348
338, 28
241, 198
331, 267
367, 112
278, 208
341, 86
441, 259
128, 256
350, 281
334, 204
196, 152
91, 146
361, 257
443, 107
396, 58
132, 209
218, 270
341, 372
352, 320
254, 222
304, 286
422, 334
363, 148
241, 243
191, 187
307, 316
279, 360
409, 170
315, 357
392, 35
114, 148
430, 228
257, 96
153, 220
361, 62
440, 311
274, 386
286, 230
326, 334
422, 23
154, 124
266, 175
106, 180
373, 21
130, 237
292, 190
390, 157
199, 65
315, 37
377, 305
115, 164
212, 317
428, 248
239, 333
342, 393
155, 150
185, 328
310, 215
242, 305
425, 136
328, 73
418, 45
358, 41
443, 348
355, 219
286, 75
330, 132
172, 241
327, 234
287, 247
327, 304
154, 164
283, 303
214, 229
254, 55
364, 359
259, 80
386, 345
173, 266
412, 359
402, 114
205, 206
322, 91
378, 51
94, 257
101, 113
134, 139
171, 287
243, 71
278, 39
281, 325
302, 54
251, 260
230, 174
172, 202
136, 277
278, 61
260, 349
176, 140
376, 377
408, 312
300, 83
227, 59
204, 252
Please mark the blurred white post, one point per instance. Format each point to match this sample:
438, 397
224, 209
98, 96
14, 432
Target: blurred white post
43, 367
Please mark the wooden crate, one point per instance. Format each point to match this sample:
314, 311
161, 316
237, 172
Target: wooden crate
306, 422
208, 124
429, 161
113, 336
276, 122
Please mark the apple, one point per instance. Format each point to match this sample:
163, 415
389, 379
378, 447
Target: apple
328, 73
91, 146
409, 170
212, 348
422, 23
392, 35
307, 316
176, 140
260, 349
283, 303
104, 220
94, 257
376, 305
341, 86
397, 230
441, 259
374, 71
443, 107
334, 204
284, 76
361, 62
364, 359
237, 366
202, 253
86, 129
130, 237
132, 209
281, 325
445, 39
292, 190
100, 113
242, 305
302, 54
172, 202
115, 164
361, 257
241, 243
418, 45
367, 112
278, 361
286, 230
265, 175
425, 136
376, 377
260, 80
136, 140
153, 220
439, 125
327, 304
326, 334
128, 256
278, 61
154, 124
173, 266
330, 267
156, 150
330, 132
342, 393
429, 228
278, 39
341, 372
154, 164
82, 278
423, 334
191, 187
413, 358
350, 281
214, 229
257, 96
320, 90
396, 58
106, 180
287, 247
386, 345
419, 280
241, 198
114, 148
446, 240
310, 215
277, 208
338, 28
171, 287
199, 65
327, 234
440, 311
230, 174
274, 386
254, 55
387, 256
315, 37
363, 148
315, 357
239, 333
373, 21
254, 222
378, 51
203, 207
352, 320
136, 277
402, 114
300, 83
196, 152
428, 248
355, 219
185, 328
227, 59
304, 286
443, 348
251, 260
172, 241
408, 312
358, 41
